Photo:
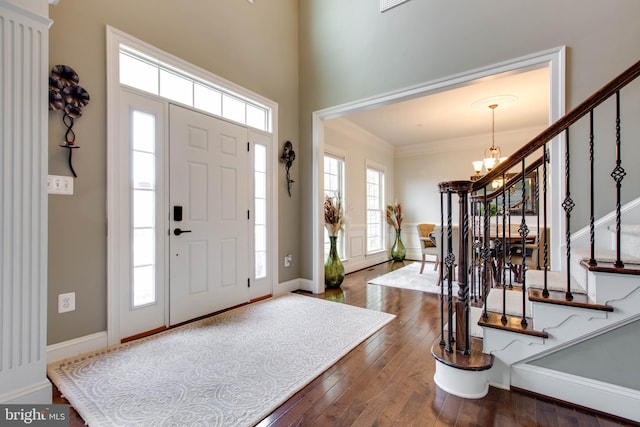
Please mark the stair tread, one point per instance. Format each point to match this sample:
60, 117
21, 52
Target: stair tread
559, 298
603, 255
609, 267
476, 361
513, 324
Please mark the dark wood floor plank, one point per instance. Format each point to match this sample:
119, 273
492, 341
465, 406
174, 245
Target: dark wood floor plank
449, 411
546, 414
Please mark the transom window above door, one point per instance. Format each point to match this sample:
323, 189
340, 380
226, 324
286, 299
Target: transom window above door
145, 73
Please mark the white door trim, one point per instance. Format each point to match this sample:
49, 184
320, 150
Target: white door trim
555, 59
116, 234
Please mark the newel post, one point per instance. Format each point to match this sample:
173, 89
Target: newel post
462, 189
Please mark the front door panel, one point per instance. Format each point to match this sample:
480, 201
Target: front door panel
209, 246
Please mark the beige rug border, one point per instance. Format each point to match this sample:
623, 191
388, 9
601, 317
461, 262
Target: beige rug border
80, 404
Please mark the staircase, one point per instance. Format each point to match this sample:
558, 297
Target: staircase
571, 332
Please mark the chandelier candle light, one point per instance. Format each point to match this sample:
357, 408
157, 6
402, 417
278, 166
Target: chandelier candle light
493, 154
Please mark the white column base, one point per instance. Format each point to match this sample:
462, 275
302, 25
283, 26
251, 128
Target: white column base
460, 382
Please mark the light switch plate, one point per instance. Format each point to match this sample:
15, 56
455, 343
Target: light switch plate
57, 184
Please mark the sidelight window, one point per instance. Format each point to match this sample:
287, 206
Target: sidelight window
143, 155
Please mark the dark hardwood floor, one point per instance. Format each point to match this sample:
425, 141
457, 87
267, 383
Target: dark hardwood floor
388, 379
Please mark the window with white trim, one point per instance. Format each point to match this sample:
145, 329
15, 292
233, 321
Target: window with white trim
143, 168
260, 209
145, 73
375, 210
334, 187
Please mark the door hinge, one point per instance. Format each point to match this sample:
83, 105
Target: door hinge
248, 283
248, 214
248, 146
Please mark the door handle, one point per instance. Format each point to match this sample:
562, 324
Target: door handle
178, 231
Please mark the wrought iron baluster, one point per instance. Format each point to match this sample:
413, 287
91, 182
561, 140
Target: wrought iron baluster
476, 251
537, 205
568, 206
592, 229
618, 175
524, 232
486, 255
472, 279
502, 250
475, 278
508, 226
440, 261
449, 262
463, 263
545, 160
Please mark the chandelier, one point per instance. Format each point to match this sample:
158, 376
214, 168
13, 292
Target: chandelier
493, 154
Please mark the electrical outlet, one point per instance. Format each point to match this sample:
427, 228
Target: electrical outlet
66, 302
57, 184
287, 261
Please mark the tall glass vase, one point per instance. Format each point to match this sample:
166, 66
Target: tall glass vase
333, 268
398, 251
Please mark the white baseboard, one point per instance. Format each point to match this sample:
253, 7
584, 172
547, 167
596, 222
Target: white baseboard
290, 286
39, 393
76, 346
604, 397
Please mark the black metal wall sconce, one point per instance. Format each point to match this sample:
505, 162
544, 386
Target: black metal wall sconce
65, 94
288, 156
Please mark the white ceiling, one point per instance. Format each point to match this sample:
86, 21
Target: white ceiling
449, 114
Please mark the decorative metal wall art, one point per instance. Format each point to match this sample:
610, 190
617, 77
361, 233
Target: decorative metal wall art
67, 95
288, 156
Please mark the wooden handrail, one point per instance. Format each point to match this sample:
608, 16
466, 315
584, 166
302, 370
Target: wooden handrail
560, 125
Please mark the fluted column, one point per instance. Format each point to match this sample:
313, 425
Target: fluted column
23, 202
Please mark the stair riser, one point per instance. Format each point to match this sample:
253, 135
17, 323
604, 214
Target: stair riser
547, 316
606, 287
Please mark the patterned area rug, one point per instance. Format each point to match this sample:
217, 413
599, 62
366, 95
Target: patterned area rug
409, 277
231, 369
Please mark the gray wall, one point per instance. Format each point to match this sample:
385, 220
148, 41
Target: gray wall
345, 51
350, 51
253, 45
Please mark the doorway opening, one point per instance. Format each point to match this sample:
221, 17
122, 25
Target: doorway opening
553, 59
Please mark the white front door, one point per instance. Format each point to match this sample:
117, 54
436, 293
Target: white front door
208, 188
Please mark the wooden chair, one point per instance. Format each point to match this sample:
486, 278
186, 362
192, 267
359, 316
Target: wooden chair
427, 243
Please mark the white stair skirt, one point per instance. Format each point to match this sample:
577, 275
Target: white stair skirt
605, 397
